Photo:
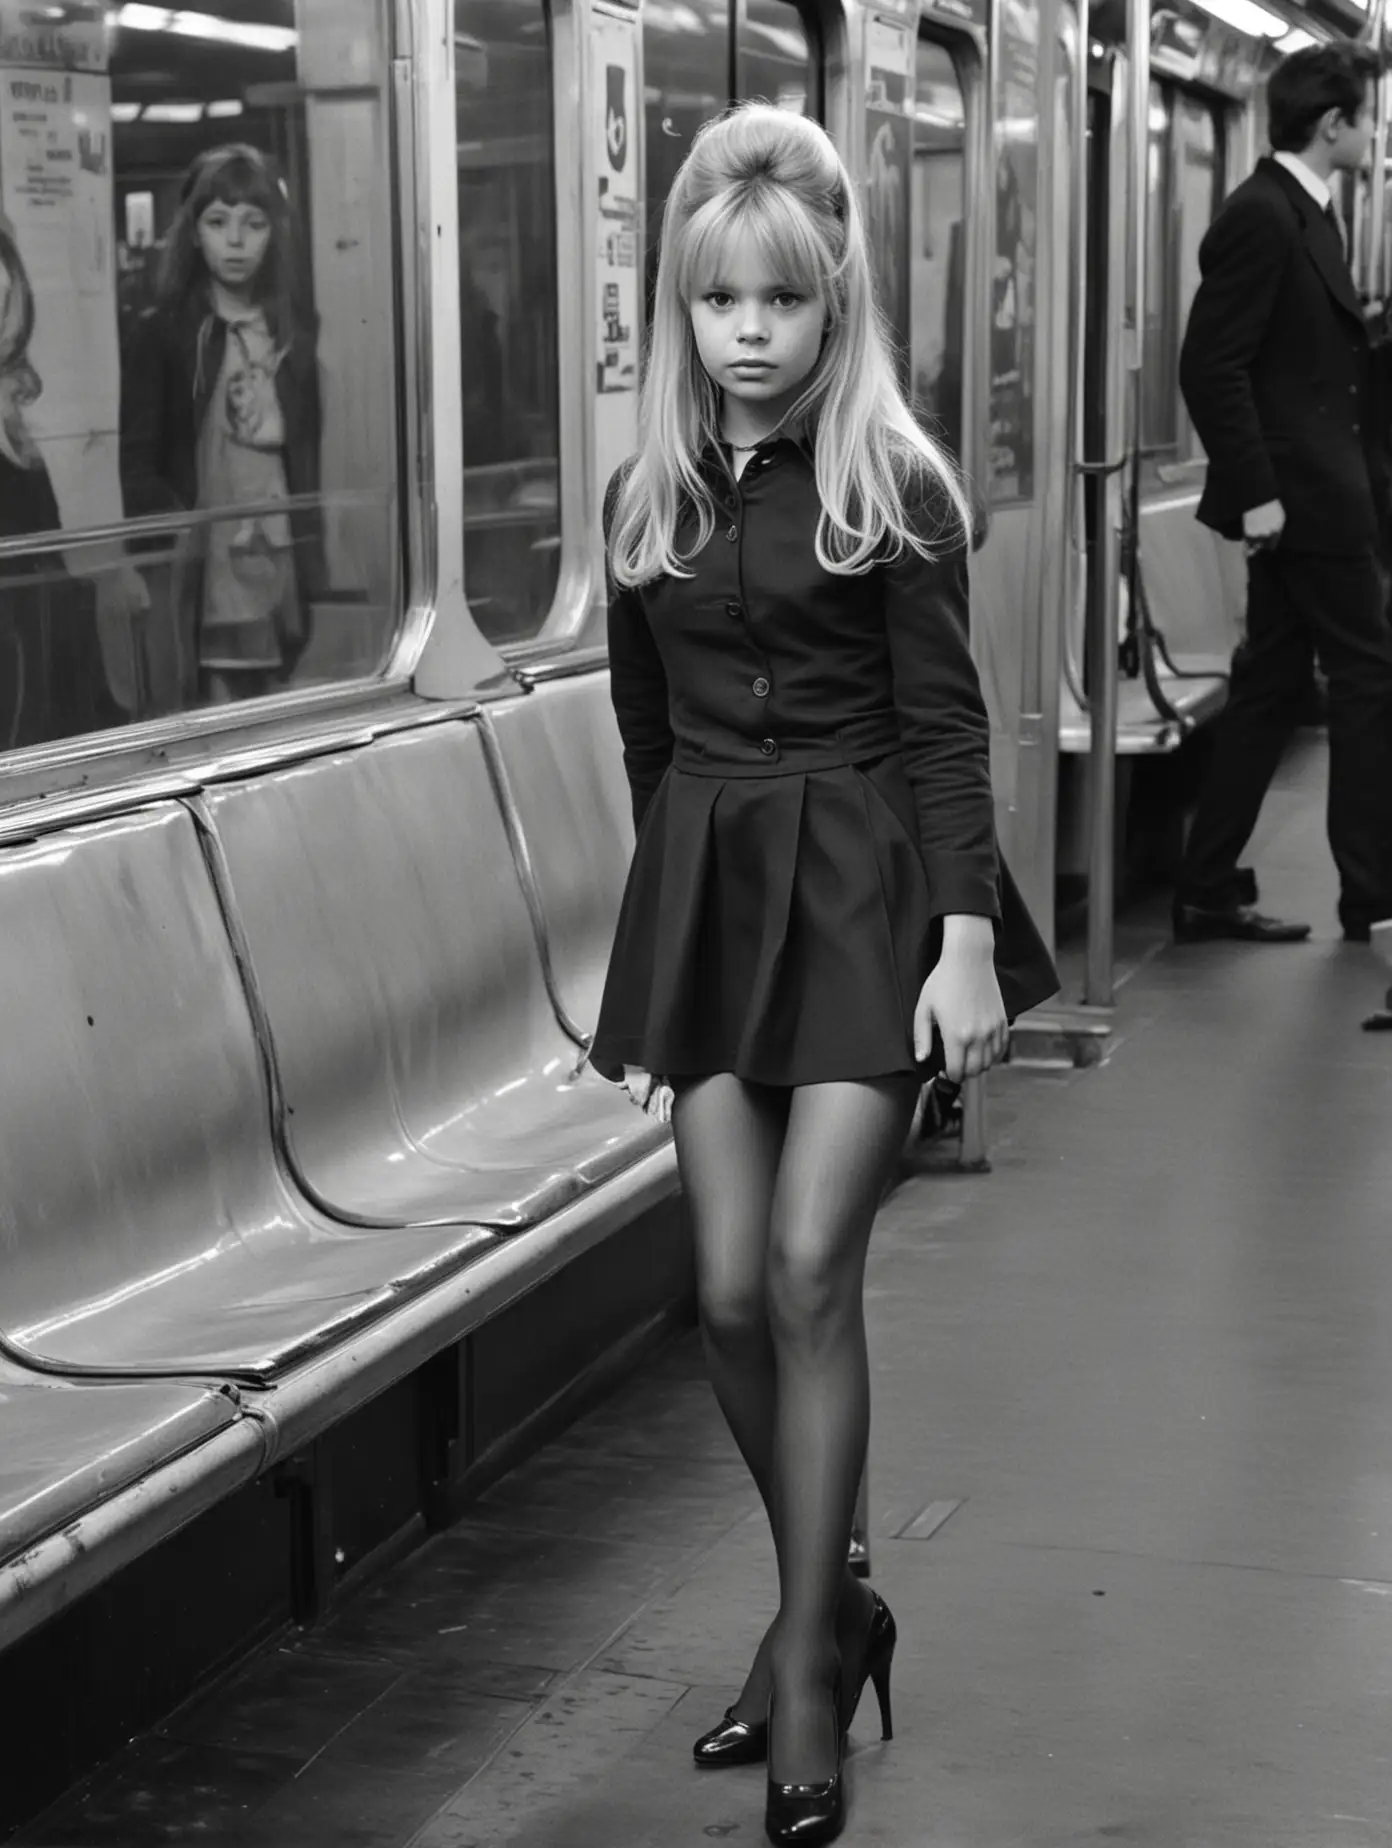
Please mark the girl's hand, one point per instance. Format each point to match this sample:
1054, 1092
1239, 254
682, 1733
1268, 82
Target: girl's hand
652, 1096
962, 999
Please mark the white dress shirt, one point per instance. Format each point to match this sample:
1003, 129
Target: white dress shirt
1317, 188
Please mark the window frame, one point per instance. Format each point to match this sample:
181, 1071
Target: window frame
183, 750
967, 48
578, 575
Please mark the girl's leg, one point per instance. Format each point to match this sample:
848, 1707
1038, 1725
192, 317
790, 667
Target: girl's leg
729, 1139
842, 1141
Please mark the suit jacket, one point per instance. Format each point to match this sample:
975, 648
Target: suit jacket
1277, 371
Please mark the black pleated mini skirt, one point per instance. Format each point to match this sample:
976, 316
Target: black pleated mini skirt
780, 928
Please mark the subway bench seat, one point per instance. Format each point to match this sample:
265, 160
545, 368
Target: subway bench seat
66, 1448
562, 763
1195, 585
422, 1072
145, 1223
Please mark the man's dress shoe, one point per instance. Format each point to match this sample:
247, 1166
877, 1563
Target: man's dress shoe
1233, 923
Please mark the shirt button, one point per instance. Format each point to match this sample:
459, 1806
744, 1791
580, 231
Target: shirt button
768, 747
732, 534
761, 688
733, 609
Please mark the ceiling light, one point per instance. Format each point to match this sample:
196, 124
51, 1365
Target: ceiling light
230, 106
206, 26
126, 112
1298, 40
1246, 16
173, 112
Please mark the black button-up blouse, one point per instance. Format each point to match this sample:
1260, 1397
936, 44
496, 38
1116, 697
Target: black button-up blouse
764, 664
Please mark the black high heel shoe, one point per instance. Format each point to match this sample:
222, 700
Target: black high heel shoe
806, 1815
732, 1742
875, 1665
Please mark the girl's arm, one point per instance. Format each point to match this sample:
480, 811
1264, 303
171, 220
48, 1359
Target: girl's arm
943, 725
637, 684
145, 484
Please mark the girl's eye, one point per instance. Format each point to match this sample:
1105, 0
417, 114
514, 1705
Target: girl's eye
257, 225
718, 298
787, 298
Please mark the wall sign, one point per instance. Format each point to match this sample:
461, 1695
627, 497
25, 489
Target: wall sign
616, 128
56, 193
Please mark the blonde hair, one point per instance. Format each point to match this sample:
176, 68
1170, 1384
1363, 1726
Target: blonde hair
778, 176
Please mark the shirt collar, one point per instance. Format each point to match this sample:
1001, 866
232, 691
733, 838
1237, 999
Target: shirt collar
1317, 188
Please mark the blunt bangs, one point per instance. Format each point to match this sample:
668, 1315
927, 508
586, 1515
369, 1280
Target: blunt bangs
783, 236
232, 182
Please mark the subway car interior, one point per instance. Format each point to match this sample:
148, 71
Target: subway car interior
316, 1230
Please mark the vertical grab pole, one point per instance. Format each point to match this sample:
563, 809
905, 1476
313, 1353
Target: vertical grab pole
1104, 585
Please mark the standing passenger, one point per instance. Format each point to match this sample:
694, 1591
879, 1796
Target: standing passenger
815, 916
220, 408
1277, 374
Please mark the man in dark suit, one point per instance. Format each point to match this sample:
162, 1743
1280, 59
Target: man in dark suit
1277, 370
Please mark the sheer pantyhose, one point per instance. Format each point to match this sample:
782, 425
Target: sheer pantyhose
782, 1188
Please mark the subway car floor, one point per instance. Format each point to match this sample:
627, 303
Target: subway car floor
1131, 1480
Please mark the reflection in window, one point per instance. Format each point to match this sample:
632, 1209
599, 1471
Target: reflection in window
508, 299
1185, 186
780, 57
938, 234
199, 247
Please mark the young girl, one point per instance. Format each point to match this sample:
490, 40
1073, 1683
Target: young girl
815, 917
220, 409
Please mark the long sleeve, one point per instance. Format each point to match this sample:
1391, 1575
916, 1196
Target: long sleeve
1242, 259
944, 731
145, 475
637, 683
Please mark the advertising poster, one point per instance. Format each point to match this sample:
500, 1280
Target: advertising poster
56, 196
616, 165
889, 158
613, 38
1015, 262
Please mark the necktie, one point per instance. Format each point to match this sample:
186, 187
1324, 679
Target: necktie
1337, 224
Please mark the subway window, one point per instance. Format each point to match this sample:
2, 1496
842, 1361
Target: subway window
938, 232
509, 314
780, 55
196, 258
1185, 187
686, 79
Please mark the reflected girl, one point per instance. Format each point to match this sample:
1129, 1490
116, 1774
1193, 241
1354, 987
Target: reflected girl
27, 502
50, 683
220, 409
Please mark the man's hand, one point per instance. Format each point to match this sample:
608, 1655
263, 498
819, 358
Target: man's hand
1262, 526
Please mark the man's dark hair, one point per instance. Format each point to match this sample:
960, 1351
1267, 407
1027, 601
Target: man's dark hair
1309, 83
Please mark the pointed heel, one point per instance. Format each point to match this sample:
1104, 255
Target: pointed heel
875, 1665
880, 1676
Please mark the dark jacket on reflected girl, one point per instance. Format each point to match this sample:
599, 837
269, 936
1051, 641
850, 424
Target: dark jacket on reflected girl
169, 371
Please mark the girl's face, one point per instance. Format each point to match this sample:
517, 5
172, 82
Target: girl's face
758, 335
233, 239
